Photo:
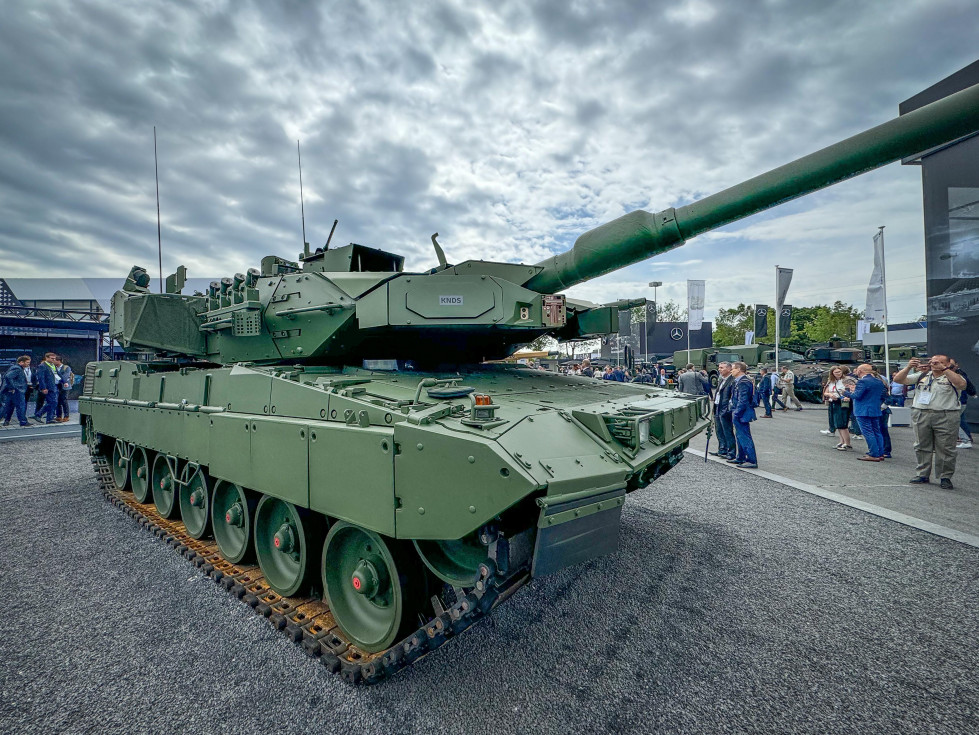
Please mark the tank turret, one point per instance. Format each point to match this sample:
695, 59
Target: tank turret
343, 305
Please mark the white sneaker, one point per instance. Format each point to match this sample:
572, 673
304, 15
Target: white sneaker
964, 445
827, 432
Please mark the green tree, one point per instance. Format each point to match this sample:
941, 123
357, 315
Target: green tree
670, 311
542, 343
731, 324
838, 320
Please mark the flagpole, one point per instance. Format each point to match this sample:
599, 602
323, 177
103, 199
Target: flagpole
883, 282
778, 315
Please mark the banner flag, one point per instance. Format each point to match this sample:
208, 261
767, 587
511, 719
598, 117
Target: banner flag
761, 321
625, 323
875, 311
863, 328
749, 337
650, 312
785, 320
695, 305
783, 277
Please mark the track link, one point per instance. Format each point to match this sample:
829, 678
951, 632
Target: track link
306, 621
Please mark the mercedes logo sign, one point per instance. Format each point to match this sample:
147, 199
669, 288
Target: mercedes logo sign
786, 312
676, 333
762, 312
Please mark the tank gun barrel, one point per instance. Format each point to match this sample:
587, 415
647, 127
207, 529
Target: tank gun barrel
640, 235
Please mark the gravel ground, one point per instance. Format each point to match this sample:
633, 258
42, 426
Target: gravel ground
735, 604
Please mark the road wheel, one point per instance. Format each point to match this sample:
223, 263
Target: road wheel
139, 474
164, 486
120, 464
232, 509
376, 587
455, 562
286, 543
195, 500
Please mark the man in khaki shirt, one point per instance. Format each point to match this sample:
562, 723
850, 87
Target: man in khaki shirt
934, 416
786, 381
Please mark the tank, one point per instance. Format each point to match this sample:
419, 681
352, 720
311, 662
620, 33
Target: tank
324, 438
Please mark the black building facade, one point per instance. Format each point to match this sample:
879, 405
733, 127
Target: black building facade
950, 187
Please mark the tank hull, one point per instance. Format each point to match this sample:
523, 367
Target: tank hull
469, 504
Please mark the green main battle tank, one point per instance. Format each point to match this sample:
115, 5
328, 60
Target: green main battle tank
321, 438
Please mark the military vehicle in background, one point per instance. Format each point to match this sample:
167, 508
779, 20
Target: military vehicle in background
330, 419
705, 359
751, 355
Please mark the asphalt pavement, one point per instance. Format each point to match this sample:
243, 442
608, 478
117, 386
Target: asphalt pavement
734, 604
39, 429
789, 445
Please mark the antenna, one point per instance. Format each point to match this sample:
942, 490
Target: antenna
302, 209
332, 230
159, 239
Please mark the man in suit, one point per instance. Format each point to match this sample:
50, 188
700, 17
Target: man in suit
765, 391
47, 384
726, 446
867, 397
742, 414
15, 384
690, 382
65, 379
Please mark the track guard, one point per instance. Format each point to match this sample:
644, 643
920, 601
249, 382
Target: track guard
572, 530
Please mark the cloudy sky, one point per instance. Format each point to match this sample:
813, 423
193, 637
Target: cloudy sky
508, 127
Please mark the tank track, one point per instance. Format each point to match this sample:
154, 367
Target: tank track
307, 621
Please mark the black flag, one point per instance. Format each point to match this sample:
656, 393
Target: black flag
625, 323
785, 321
761, 321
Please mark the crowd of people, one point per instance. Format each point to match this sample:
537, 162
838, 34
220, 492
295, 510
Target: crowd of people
858, 406
47, 385
653, 374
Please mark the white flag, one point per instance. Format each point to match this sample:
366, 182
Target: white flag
863, 328
783, 277
695, 305
875, 311
749, 337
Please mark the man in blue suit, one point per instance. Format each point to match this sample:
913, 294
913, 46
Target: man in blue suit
765, 391
867, 398
47, 384
15, 385
742, 414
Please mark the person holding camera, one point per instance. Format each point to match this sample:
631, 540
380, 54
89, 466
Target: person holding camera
935, 414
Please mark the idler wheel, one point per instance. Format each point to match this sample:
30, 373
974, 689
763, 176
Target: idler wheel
120, 464
164, 486
456, 562
285, 539
232, 509
139, 474
195, 501
375, 586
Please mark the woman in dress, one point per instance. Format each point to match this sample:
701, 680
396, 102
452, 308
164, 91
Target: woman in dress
838, 406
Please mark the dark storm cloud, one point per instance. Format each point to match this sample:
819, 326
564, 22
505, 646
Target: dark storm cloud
508, 127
